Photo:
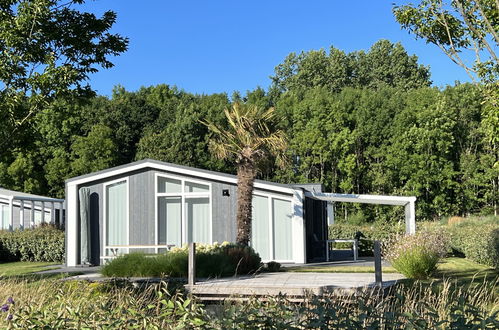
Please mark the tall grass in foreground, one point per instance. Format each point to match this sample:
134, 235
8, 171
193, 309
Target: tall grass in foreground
114, 305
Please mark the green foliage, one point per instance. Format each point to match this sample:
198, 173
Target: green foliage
477, 240
61, 305
375, 137
98, 306
211, 261
44, 243
48, 49
385, 64
416, 256
403, 307
273, 266
462, 29
94, 152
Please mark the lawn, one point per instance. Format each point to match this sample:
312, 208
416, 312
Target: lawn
461, 269
337, 269
23, 268
465, 270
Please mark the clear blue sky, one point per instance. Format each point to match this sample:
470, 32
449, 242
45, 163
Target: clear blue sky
222, 46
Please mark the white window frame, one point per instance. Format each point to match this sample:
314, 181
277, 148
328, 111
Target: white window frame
271, 198
127, 220
183, 195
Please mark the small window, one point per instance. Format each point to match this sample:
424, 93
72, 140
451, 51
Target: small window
167, 185
196, 187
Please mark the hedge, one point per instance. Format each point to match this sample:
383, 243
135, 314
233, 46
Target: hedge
212, 260
476, 241
43, 244
475, 238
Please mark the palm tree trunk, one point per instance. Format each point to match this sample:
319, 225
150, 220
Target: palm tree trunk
246, 173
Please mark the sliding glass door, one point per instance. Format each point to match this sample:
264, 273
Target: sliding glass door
170, 220
116, 216
260, 227
272, 228
283, 231
198, 219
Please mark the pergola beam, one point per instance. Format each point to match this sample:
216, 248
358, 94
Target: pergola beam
408, 202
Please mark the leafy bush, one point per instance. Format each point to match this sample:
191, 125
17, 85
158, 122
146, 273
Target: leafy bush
381, 231
476, 241
44, 243
416, 256
273, 266
211, 261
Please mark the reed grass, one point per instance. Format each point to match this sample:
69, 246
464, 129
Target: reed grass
56, 304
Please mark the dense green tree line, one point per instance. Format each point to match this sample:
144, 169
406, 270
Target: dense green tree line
364, 122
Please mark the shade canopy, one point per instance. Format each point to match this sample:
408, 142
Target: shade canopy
407, 201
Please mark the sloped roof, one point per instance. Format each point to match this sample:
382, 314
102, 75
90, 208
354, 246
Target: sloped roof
13, 193
170, 167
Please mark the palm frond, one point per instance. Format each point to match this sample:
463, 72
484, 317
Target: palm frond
250, 134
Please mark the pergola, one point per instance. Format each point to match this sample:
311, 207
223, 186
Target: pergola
19, 202
408, 203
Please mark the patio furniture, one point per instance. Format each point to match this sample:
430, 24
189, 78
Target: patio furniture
341, 240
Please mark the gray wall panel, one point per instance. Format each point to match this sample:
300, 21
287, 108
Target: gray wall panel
142, 219
27, 216
224, 213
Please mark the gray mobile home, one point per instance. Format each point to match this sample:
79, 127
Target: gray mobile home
150, 206
19, 210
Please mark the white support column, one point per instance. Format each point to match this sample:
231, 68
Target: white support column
21, 214
32, 215
330, 213
52, 213
72, 225
410, 218
43, 212
11, 214
299, 238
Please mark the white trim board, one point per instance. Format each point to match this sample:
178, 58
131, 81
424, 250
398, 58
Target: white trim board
366, 199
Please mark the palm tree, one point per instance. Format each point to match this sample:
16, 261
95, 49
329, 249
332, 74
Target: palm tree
250, 139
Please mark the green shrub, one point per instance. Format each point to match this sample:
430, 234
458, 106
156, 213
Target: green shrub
273, 266
416, 256
44, 244
216, 260
381, 231
476, 241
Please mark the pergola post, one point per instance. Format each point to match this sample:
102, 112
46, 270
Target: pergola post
330, 213
410, 218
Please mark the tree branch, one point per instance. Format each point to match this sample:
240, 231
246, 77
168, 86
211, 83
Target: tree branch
487, 21
472, 28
